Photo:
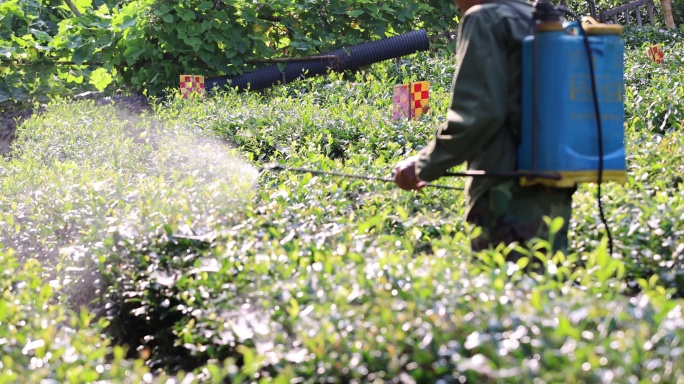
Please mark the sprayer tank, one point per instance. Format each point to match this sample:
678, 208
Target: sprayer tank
561, 100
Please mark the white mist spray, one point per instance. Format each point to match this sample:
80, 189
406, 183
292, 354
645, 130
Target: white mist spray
82, 173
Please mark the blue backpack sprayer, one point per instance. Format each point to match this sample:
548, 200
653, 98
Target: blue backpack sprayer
572, 102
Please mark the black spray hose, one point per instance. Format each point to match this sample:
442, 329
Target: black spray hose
338, 60
600, 140
598, 126
495, 174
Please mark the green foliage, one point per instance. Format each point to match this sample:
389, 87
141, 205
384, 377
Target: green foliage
659, 113
582, 7
225, 38
45, 49
648, 35
147, 44
40, 341
24, 35
210, 272
678, 13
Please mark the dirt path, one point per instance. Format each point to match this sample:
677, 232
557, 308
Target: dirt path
8, 125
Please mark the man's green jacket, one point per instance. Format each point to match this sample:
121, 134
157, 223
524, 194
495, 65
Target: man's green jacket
483, 121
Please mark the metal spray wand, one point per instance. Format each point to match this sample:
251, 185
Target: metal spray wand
496, 174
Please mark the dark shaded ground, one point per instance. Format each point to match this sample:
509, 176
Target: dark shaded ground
8, 126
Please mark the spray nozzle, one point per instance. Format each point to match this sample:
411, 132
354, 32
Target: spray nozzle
271, 166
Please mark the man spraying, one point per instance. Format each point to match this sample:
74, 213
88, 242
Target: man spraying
483, 129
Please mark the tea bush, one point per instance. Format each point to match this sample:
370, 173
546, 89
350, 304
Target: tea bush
42, 341
153, 248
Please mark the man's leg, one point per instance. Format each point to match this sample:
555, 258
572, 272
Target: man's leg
511, 213
528, 207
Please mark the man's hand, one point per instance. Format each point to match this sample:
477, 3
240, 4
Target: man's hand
405, 174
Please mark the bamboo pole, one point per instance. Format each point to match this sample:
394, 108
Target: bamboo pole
649, 8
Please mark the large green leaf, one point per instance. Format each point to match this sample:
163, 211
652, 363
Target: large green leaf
100, 78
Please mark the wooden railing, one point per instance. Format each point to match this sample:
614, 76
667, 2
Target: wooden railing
611, 15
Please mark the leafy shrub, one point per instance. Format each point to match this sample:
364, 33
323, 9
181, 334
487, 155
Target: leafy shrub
640, 38
147, 44
41, 341
43, 47
226, 38
313, 278
678, 13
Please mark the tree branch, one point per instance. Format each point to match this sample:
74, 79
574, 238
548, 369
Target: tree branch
52, 62
73, 8
269, 18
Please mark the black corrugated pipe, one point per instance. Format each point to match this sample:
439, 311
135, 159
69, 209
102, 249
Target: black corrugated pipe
345, 58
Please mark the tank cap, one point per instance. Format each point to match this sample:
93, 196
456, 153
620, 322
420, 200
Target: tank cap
593, 27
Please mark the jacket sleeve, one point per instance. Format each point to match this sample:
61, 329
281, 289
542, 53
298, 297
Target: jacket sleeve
479, 98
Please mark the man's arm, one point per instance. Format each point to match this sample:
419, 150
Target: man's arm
479, 100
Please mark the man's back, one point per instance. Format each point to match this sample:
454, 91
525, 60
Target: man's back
510, 22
